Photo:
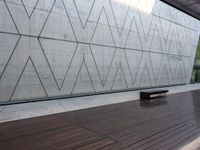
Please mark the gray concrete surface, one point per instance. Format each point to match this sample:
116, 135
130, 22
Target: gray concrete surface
66, 47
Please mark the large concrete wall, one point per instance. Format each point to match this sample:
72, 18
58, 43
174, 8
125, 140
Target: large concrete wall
67, 47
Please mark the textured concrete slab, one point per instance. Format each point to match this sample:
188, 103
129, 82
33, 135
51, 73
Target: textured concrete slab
66, 47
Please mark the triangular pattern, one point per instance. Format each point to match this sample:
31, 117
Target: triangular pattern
165, 64
29, 6
156, 60
59, 55
88, 46
173, 47
103, 57
164, 27
133, 58
145, 70
83, 82
6, 48
181, 36
173, 61
6, 25
58, 25
133, 39
145, 78
32, 25
84, 8
120, 14
187, 44
180, 75
156, 44
144, 23
119, 58
25, 48
119, 81
29, 85
82, 53
164, 80
102, 30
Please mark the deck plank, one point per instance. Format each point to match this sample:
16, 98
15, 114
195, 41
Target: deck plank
164, 123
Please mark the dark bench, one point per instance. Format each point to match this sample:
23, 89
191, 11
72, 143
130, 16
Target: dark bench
147, 95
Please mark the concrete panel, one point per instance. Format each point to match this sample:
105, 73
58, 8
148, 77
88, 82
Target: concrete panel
67, 47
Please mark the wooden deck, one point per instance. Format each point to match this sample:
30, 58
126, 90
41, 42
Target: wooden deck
164, 123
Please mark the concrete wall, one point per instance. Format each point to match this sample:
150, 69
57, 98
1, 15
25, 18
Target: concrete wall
67, 47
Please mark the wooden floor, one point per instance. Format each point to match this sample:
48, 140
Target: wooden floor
165, 123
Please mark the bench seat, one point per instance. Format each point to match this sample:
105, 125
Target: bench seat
146, 95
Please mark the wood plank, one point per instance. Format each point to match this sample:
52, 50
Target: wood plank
130, 125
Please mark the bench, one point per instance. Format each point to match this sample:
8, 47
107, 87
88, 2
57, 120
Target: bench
147, 95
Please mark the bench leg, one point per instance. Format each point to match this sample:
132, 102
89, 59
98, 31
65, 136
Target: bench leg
144, 97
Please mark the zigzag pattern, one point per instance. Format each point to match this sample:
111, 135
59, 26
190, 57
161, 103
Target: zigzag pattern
68, 47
